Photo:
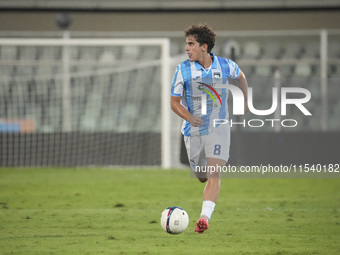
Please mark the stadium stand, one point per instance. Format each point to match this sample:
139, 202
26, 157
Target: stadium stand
258, 59
31, 84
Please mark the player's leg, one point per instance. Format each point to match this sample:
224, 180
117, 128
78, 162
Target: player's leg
213, 186
210, 193
196, 156
217, 151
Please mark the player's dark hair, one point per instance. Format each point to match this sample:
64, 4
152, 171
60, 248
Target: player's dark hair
202, 34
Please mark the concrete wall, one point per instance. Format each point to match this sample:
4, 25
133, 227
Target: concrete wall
172, 21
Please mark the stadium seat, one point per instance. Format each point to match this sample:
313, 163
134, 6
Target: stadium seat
88, 53
334, 49
108, 56
271, 50
28, 53
292, 50
5, 89
228, 46
285, 71
24, 70
302, 69
6, 70
316, 69
150, 53
130, 52
336, 71
263, 71
8, 52
248, 70
251, 50
45, 70
74, 52
49, 53
312, 50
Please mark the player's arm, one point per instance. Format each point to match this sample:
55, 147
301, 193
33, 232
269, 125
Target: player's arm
180, 110
242, 83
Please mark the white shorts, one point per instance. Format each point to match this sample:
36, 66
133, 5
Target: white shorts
214, 145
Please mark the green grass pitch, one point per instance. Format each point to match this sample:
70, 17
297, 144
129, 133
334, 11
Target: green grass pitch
117, 211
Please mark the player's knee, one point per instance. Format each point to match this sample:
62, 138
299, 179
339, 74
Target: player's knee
202, 180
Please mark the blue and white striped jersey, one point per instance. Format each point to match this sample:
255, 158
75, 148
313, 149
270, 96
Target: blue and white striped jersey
192, 82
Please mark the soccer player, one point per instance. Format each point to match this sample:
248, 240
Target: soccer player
207, 144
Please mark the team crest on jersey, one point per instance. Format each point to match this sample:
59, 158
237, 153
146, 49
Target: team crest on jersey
217, 75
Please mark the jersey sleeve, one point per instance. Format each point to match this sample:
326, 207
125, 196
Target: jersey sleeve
234, 69
177, 83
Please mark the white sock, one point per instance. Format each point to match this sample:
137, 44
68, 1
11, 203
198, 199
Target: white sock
207, 209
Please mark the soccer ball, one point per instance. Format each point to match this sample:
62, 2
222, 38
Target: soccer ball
174, 220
